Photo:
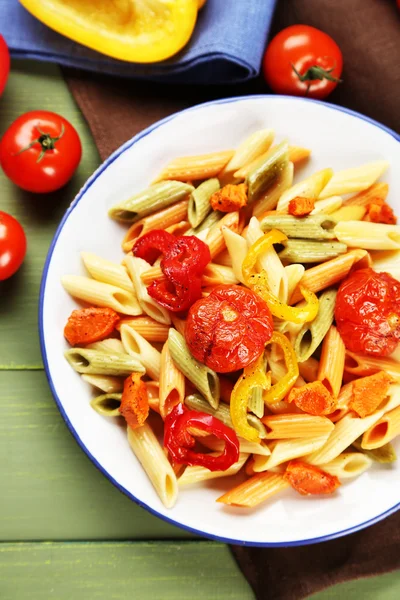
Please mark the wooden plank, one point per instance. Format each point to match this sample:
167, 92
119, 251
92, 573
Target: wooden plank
49, 488
117, 571
32, 86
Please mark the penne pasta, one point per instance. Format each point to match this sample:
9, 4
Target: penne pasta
140, 349
105, 383
364, 365
223, 258
368, 235
269, 199
199, 202
101, 294
192, 168
312, 334
327, 274
158, 220
214, 443
172, 383
309, 369
377, 191
289, 426
348, 465
94, 362
266, 171
151, 330
308, 188
215, 237
237, 248
284, 450
148, 451
294, 274
107, 404
109, 345
107, 272
196, 474
136, 267
298, 154
153, 392
328, 206
157, 196
349, 213
331, 364
255, 490
307, 251
354, 180
387, 261
315, 227
383, 431
203, 378
248, 153
178, 228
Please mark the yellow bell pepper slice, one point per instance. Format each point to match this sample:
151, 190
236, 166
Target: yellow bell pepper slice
141, 31
278, 391
254, 376
258, 282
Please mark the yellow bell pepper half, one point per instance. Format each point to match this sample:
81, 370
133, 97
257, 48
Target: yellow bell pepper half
142, 31
254, 376
258, 282
278, 391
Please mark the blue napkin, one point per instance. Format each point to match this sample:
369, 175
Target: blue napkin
226, 47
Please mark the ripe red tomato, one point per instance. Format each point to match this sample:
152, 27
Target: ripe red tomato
40, 151
302, 61
229, 329
367, 312
12, 245
4, 64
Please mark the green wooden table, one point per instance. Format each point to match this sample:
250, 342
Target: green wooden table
65, 531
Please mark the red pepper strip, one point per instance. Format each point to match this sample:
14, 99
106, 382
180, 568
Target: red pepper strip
176, 297
179, 442
185, 259
150, 245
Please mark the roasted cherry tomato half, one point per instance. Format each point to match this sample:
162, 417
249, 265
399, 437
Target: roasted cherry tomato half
303, 61
4, 64
40, 151
228, 330
367, 312
12, 245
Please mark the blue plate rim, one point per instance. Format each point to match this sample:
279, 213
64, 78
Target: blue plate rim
72, 206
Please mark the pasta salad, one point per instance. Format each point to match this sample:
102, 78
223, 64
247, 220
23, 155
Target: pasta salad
256, 318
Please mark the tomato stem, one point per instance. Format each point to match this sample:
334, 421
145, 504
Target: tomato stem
46, 141
316, 73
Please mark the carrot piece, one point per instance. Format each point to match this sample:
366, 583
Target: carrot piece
307, 479
229, 198
89, 325
369, 392
300, 207
134, 401
380, 212
313, 398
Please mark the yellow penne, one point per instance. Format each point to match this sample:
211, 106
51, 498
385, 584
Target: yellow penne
285, 450
331, 272
270, 262
196, 474
136, 267
151, 330
308, 188
191, 168
137, 347
368, 365
97, 293
178, 228
249, 151
152, 388
331, 364
345, 396
110, 345
269, 199
215, 238
172, 383
224, 258
348, 465
349, 213
309, 369
338, 414
383, 431
290, 426
298, 154
214, 443
368, 235
377, 192
106, 383
107, 271
255, 490
237, 247
294, 274
158, 220
354, 180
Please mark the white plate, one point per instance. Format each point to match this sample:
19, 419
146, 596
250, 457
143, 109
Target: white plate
339, 139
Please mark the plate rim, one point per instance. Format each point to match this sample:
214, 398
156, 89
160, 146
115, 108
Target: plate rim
102, 167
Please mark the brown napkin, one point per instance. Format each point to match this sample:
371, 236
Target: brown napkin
368, 31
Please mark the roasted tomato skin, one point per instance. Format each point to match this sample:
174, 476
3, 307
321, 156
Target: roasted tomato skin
367, 312
228, 330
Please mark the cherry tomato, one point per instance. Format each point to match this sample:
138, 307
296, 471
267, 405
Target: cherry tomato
302, 61
12, 245
229, 329
4, 64
367, 312
40, 151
